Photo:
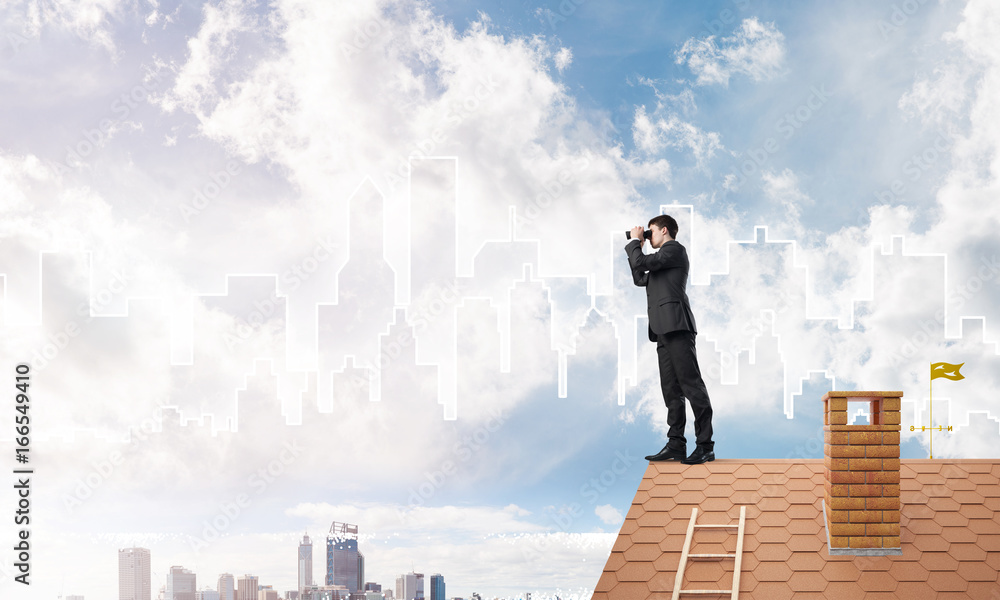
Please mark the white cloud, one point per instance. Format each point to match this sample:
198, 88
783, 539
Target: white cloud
940, 97
91, 20
563, 58
651, 136
609, 514
756, 49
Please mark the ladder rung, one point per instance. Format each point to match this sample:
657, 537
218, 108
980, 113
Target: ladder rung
733, 526
711, 556
706, 591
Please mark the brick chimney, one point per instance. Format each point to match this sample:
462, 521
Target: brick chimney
861, 504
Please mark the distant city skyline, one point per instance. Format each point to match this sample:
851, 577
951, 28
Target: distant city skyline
343, 552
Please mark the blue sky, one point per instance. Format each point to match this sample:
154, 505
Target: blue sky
288, 226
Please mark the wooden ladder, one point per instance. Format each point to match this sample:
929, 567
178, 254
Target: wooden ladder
685, 555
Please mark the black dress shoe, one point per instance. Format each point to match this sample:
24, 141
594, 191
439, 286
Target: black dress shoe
668, 453
700, 455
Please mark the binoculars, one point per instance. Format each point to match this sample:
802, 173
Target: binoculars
648, 234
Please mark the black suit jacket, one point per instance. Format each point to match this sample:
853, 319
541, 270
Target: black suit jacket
664, 274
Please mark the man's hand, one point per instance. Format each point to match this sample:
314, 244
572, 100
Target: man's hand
637, 233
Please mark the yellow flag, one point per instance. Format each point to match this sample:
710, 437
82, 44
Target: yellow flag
946, 370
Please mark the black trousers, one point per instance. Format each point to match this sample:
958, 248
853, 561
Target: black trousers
680, 378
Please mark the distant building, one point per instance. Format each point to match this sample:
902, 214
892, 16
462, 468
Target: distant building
325, 592
133, 574
410, 586
267, 593
246, 588
292, 595
72, 597
305, 562
437, 587
180, 584
206, 594
371, 586
360, 586
226, 587
344, 564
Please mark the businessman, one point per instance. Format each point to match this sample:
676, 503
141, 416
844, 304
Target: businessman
664, 274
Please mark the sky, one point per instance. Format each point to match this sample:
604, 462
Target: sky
274, 265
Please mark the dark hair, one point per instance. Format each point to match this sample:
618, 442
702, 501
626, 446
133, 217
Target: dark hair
665, 221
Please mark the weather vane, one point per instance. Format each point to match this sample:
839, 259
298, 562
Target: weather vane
948, 371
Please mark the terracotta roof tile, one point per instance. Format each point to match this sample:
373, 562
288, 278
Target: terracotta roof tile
806, 581
843, 590
960, 485
661, 478
767, 479
949, 517
799, 511
772, 571
975, 511
654, 505
876, 581
628, 590
804, 527
982, 478
773, 466
908, 571
930, 543
651, 519
664, 491
615, 562
647, 535
773, 552
967, 552
914, 589
606, 582
840, 571
708, 571
629, 527
806, 543
746, 485
693, 483
721, 479
773, 519
981, 589
667, 561
946, 581
776, 590
696, 497
773, 504
747, 471
988, 490
923, 527
942, 504
938, 561
660, 585
958, 535
981, 526
719, 490
636, 571
989, 542
642, 552
806, 561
